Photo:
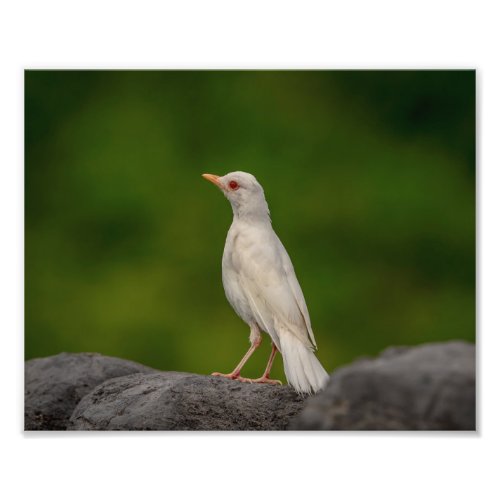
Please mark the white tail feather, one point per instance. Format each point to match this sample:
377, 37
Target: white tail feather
302, 369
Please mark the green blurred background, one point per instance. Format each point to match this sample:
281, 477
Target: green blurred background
369, 175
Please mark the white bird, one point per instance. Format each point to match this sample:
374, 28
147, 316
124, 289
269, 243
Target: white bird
261, 286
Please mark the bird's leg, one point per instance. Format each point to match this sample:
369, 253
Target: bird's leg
265, 378
255, 340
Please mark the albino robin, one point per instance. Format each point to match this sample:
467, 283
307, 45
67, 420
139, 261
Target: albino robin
261, 286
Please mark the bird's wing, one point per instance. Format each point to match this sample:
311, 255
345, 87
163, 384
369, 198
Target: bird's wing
267, 277
297, 293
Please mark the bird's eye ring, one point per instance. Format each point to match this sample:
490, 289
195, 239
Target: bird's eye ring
233, 185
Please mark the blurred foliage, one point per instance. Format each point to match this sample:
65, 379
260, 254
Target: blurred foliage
370, 177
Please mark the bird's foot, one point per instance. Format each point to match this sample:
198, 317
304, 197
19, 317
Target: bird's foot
235, 376
231, 376
265, 380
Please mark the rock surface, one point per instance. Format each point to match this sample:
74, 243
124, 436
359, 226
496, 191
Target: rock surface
184, 401
54, 385
431, 387
428, 387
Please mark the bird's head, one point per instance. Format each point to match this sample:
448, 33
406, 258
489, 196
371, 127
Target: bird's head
244, 193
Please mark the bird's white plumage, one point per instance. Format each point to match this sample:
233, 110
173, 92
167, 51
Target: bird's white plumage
260, 283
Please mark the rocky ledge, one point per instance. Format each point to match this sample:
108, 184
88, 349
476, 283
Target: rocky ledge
428, 387
55, 385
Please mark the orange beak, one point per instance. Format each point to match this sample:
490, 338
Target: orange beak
214, 179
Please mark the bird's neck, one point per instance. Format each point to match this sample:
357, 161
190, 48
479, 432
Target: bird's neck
252, 213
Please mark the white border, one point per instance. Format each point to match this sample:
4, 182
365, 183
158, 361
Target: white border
258, 34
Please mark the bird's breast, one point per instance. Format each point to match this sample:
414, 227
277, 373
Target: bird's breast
252, 251
233, 289
239, 245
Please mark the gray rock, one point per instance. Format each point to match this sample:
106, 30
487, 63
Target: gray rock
184, 401
54, 385
430, 387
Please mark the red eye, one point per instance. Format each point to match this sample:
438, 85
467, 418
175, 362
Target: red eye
233, 185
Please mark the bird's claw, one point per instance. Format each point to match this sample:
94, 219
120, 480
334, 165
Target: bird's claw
260, 380
266, 380
232, 376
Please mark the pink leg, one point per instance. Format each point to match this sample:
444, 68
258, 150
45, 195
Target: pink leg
235, 374
265, 378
